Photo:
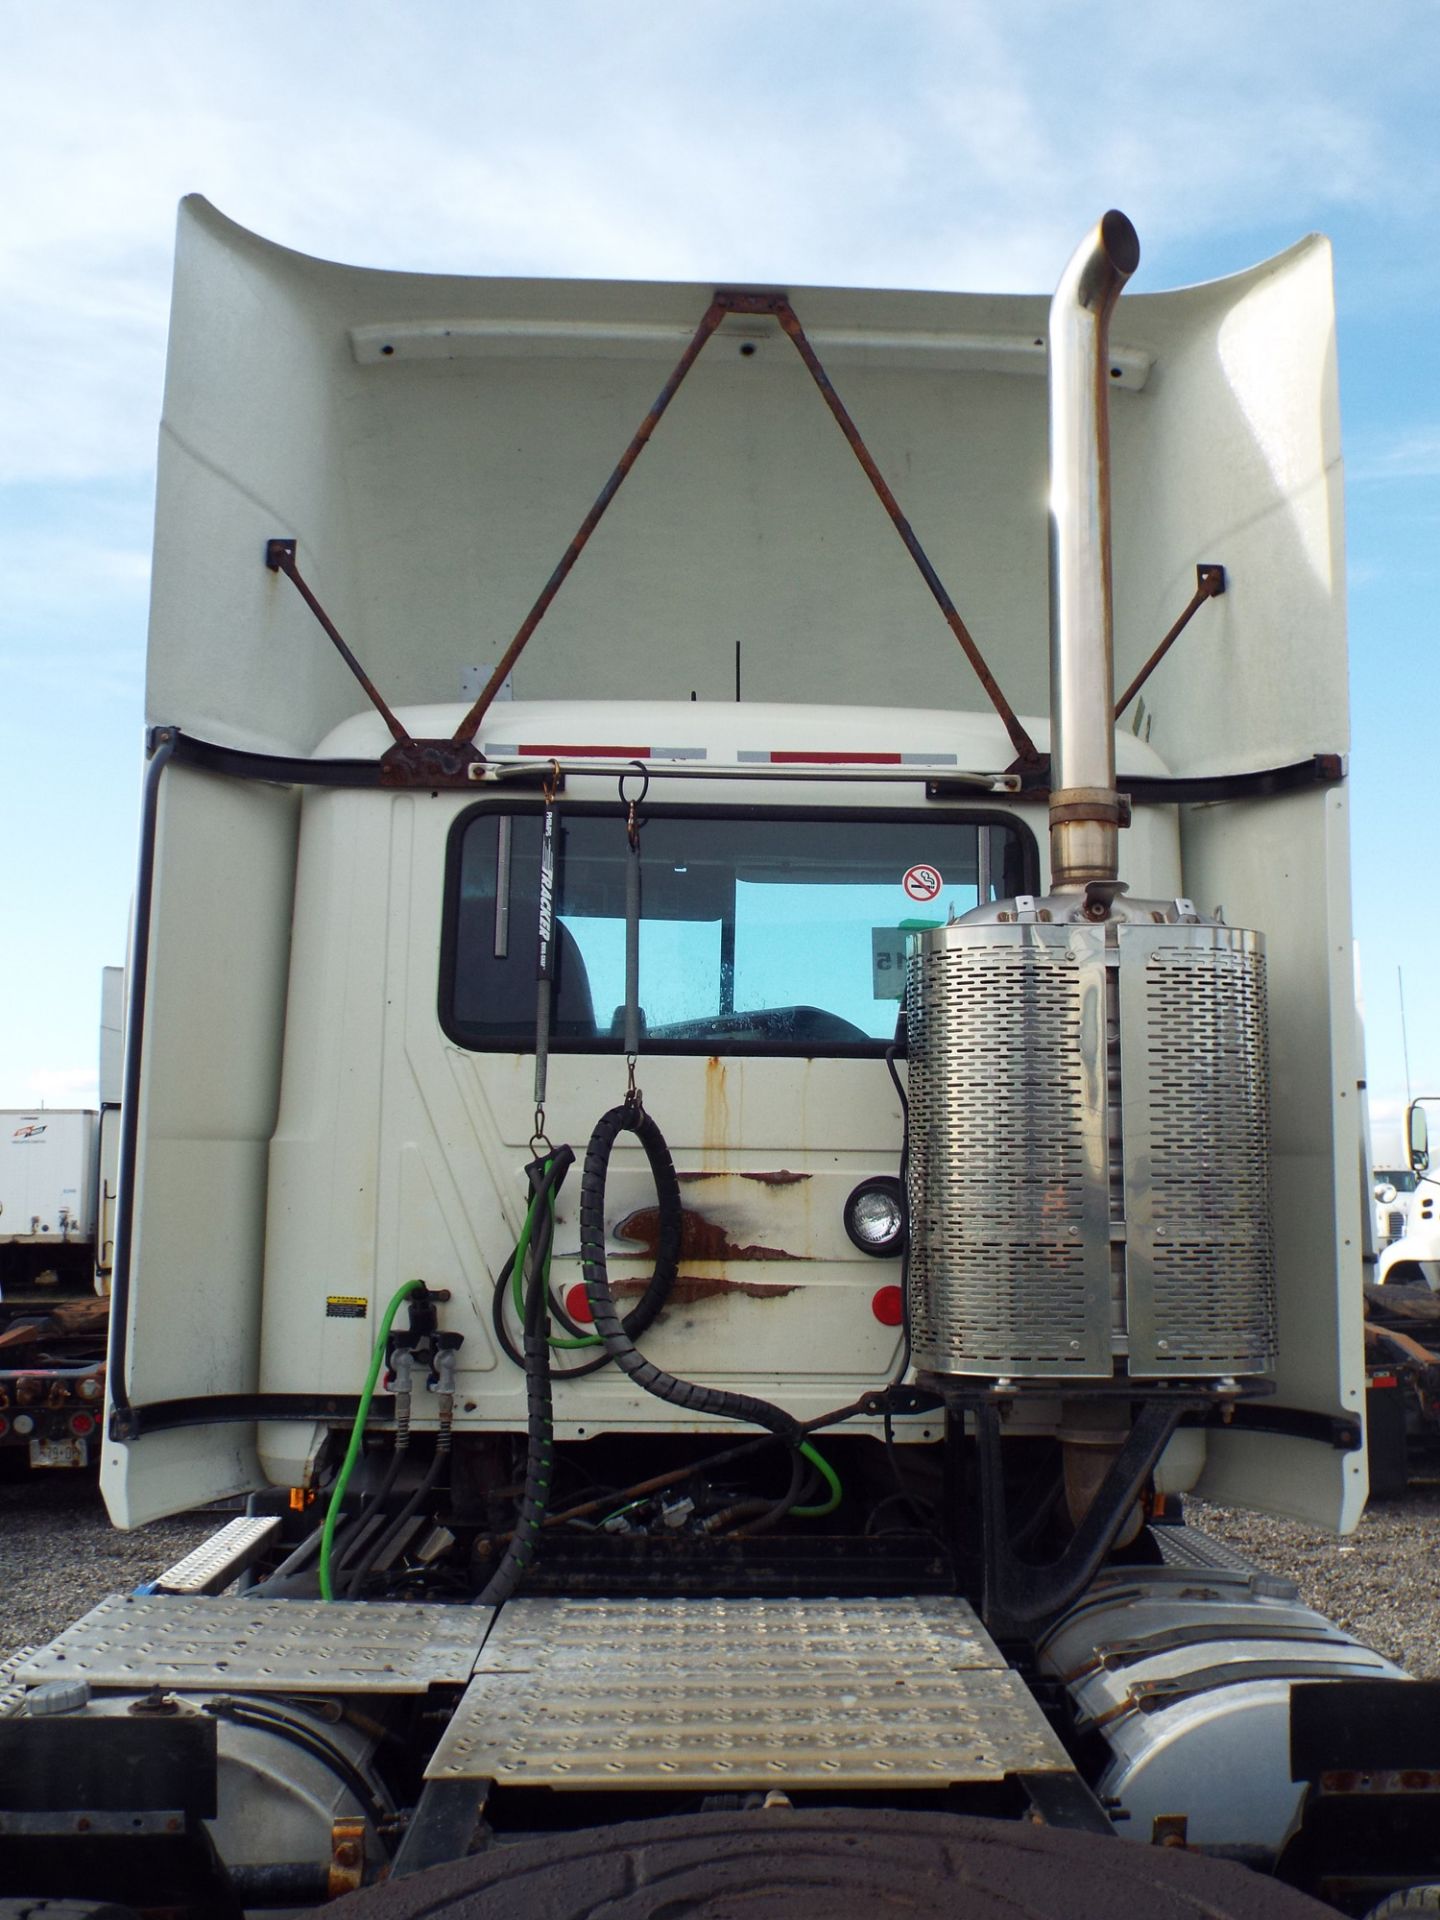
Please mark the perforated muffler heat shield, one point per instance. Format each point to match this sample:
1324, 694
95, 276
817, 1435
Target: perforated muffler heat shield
1016, 1193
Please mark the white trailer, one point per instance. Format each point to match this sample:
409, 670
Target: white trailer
927, 1329
59, 1179
47, 1176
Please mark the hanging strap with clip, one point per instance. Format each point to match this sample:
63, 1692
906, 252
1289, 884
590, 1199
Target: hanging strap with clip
632, 925
545, 955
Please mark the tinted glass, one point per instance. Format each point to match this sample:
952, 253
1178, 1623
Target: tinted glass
779, 934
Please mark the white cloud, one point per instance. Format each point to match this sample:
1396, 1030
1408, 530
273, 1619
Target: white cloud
1412, 455
64, 1087
934, 142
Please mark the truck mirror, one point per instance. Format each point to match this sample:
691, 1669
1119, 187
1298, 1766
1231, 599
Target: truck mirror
1417, 1137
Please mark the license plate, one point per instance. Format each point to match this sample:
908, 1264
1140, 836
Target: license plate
59, 1453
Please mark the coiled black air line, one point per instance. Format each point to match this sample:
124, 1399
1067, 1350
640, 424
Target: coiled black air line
646, 1308
631, 1117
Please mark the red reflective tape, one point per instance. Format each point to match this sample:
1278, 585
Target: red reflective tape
835, 759
588, 753
1384, 1380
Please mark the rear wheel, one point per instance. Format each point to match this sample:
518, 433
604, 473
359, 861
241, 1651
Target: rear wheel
838, 1864
1410, 1900
64, 1910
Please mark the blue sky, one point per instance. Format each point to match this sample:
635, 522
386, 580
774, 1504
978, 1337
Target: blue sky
960, 145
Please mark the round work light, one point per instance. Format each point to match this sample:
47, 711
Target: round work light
875, 1217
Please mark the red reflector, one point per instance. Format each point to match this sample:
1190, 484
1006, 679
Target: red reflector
1384, 1380
887, 1306
577, 1305
588, 753
82, 1423
4, 1426
835, 759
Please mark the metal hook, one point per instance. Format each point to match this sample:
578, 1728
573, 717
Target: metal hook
552, 783
634, 1098
632, 807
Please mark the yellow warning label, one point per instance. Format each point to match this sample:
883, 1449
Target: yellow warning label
346, 1306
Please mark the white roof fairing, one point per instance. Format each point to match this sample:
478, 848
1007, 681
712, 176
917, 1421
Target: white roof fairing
433, 490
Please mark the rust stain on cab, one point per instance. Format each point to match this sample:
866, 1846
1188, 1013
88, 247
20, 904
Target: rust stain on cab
781, 1178
690, 1287
717, 1103
700, 1239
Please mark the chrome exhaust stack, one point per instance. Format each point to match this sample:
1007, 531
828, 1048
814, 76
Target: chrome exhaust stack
1084, 804
1089, 1166
1089, 1159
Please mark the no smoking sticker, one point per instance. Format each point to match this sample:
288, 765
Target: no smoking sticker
922, 883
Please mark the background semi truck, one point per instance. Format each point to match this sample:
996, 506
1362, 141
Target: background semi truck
716, 1130
59, 1171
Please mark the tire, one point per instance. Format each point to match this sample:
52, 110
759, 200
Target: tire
836, 1864
1409, 1900
64, 1910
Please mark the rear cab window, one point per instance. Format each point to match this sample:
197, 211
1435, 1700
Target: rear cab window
760, 932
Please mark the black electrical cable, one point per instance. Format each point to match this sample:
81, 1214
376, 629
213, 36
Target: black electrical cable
497, 1313
893, 1500
793, 1495
758, 1514
392, 1532
614, 1497
631, 1117
248, 1713
291, 1571
1029, 1528
372, 1509
290, 1567
891, 1053
545, 1178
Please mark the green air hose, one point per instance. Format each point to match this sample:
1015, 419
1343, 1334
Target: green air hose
357, 1435
517, 1280
832, 1480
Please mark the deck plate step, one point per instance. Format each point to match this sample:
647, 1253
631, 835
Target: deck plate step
291, 1646
215, 1563
743, 1693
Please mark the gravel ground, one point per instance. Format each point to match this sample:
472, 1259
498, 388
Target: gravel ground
1382, 1584
59, 1556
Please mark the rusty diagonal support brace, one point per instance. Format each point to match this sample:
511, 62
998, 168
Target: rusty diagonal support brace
440, 761
1028, 754
1209, 585
778, 307
468, 727
280, 558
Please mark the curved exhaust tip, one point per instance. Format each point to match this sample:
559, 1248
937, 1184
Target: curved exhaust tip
1084, 803
1120, 241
